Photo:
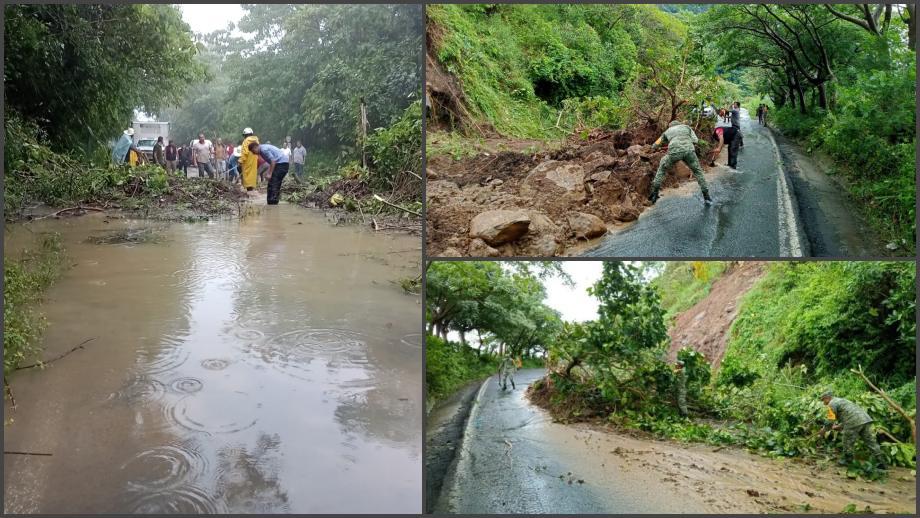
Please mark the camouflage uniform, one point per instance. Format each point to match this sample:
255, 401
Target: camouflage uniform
682, 391
680, 139
855, 423
506, 373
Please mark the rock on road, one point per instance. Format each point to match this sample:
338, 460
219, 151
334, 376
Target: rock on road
756, 212
513, 461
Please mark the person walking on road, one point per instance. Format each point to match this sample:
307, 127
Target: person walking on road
681, 388
760, 114
249, 162
506, 372
202, 151
763, 115
172, 157
298, 157
854, 423
277, 168
680, 139
726, 135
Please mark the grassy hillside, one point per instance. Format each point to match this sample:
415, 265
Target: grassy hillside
521, 65
682, 284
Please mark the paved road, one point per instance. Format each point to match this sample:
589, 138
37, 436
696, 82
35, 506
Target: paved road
755, 213
509, 463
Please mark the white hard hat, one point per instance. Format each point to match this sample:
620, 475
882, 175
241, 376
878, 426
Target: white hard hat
247, 131
129, 131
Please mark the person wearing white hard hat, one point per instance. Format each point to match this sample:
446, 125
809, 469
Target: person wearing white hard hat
121, 153
233, 164
249, 161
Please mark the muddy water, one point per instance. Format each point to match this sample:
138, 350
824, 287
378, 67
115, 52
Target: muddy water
255, 366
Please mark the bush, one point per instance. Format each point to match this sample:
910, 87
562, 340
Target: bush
449, 366
872, 142
397, 149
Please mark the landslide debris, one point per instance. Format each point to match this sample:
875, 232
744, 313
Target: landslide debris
543, 203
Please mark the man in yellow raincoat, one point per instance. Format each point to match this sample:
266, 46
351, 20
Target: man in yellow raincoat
249, 161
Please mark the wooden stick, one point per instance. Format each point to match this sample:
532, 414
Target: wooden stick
378, 198
27, 453
897, 408
38, 364
79, 207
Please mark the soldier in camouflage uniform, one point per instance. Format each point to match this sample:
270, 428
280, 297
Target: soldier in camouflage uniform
854, 423
680, 139
506, 372
681, 388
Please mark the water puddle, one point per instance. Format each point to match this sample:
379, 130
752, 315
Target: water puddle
256, 366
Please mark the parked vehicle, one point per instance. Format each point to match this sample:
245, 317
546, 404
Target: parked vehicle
146, 134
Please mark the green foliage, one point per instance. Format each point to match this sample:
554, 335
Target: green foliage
449, 366
619, 353
681, 284
79, 71
503, 304
541, 70
831, 317
396, 150
25, 279
307, 77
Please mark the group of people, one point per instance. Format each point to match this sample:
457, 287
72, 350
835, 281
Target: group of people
248, 164
681, 140
843, 415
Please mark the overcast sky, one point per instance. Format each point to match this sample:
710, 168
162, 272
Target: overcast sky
574, 303
205, 18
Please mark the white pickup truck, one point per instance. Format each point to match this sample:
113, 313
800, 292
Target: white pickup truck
146, 134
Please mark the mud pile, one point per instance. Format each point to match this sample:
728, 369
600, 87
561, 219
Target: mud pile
518, 204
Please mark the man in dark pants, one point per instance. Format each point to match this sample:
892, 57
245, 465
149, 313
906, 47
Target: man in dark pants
736, 121
277, 168
726, 135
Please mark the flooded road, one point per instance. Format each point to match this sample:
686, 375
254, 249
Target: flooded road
258, 366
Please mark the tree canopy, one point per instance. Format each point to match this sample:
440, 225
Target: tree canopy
80, 71
303, 71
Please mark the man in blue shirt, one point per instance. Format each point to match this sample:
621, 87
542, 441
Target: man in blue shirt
277, 168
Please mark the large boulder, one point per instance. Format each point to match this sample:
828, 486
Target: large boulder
586, 226
561, 181
497, 227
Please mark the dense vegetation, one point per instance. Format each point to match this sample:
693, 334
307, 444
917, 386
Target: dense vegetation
307, 79
501, 303
804, 328
825, 69
548, 71
80, 71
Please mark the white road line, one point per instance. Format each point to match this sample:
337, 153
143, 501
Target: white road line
789, 241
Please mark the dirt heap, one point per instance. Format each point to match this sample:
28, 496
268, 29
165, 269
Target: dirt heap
704, 327
570, 195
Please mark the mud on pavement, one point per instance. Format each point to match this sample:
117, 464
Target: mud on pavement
544, 203
730, 480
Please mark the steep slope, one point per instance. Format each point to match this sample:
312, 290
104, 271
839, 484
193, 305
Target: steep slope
704, 327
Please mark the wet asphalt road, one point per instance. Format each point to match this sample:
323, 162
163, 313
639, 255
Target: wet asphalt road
509, 465
753, 212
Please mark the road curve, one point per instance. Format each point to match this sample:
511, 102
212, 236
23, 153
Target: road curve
514, 459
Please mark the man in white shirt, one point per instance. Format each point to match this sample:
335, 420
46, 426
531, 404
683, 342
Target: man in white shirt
202, 151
